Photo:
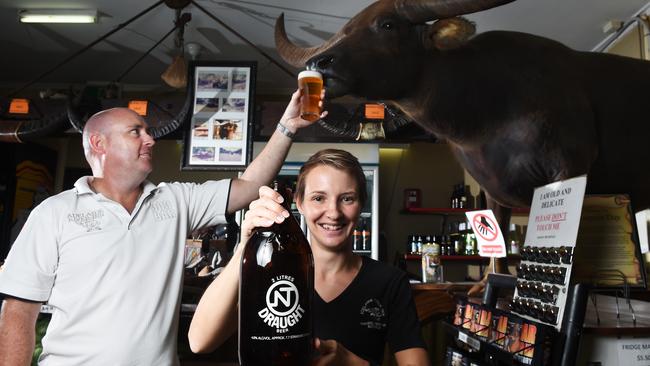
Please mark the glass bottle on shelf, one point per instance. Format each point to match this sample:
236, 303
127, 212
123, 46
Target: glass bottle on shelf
462, 196
365, 236
454, 197
440, 239
471, 244
356, 239
514, 240
480, 200
427, 240
469, 198
462, 239
418, 244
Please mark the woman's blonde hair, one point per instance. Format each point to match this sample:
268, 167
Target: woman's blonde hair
338, 159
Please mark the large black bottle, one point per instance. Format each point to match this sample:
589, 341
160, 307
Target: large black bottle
275, 296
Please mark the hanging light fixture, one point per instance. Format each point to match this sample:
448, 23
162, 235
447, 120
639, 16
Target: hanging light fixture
57, 16
176, 74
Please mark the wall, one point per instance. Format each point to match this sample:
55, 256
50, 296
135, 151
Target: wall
633, 44
430, 167
427, 166
628, 44
166, 161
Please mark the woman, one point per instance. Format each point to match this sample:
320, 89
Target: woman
359, 304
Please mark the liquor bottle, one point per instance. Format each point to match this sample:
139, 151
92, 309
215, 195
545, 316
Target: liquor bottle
462, 239
480, 201
514, 239
454, 197
462, 196
356, 239
276, 283
471, 244
410, 244
470, 204
418, 244
365, 236
294, 206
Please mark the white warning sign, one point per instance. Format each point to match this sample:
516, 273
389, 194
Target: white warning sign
488, 234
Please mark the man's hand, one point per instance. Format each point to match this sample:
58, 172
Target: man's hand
263, 212
335, 354
291, 117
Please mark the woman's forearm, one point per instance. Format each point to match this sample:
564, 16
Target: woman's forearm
215, 318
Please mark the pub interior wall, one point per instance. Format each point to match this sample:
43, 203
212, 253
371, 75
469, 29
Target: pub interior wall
430, 167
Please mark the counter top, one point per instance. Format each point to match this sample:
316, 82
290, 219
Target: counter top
435, 300
610, 323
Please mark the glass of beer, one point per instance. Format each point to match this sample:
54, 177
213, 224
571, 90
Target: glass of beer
311, 82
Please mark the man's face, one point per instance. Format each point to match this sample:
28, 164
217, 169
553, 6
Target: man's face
129, 147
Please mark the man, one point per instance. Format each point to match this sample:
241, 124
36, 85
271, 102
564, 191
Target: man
108, 254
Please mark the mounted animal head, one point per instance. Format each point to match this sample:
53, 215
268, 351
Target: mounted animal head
380, 52
75, 111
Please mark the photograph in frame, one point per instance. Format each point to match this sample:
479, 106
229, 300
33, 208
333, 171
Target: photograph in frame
220, 131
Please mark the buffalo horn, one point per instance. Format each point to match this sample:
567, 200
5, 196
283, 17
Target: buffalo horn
28, 130
166, 127
420, 11
295, 55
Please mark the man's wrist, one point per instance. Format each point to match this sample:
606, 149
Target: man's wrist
285, 130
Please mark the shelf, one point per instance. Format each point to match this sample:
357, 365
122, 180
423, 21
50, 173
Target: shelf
520, 211
461, 258
435, 211
455, 211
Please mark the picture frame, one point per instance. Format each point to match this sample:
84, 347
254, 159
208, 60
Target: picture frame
219, 133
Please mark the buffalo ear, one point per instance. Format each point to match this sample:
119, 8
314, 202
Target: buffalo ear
446, 34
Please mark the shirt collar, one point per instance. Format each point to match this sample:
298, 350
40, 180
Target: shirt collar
83, 187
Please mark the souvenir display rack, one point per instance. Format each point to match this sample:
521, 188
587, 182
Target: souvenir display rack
494, 337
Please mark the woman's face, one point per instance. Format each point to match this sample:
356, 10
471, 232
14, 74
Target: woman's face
331, 207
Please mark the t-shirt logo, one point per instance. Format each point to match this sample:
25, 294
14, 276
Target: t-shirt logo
90, 220
283, 308
373, 315
163, 210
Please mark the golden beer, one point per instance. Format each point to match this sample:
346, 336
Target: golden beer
311, 82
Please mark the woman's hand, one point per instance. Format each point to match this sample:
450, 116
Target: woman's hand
263, 212
291, 117
335, 354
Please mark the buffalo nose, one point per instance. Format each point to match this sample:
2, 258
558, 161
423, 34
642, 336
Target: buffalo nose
320, 62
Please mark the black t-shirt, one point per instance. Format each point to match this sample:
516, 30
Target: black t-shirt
376, 307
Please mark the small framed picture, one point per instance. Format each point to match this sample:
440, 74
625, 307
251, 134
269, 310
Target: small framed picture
220, 133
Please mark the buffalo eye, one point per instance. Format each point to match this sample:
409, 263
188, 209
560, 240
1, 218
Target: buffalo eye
387, 25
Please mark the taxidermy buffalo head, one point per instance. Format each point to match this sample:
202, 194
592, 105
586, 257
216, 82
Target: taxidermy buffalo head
380, 52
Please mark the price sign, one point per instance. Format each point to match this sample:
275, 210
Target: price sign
474, 343
138, 106
634, 352
374, 111
19, 106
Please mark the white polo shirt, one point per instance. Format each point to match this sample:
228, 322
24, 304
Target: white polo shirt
114, 279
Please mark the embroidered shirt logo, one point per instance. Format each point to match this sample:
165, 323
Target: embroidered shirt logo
90, 220
373, 315
163, 210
